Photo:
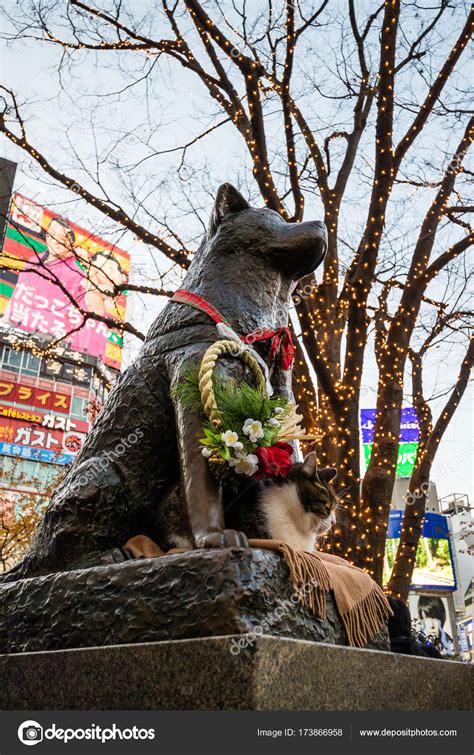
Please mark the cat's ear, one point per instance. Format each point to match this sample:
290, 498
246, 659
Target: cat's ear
228, 200
327, 474
310, 465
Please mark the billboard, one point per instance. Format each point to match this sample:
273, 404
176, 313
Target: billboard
408, 425
409, 436
430, 615
405, 460
434, 566
465, 636
50, 265
54, 421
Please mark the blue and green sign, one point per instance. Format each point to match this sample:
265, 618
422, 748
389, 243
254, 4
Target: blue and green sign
405, 461
408, 446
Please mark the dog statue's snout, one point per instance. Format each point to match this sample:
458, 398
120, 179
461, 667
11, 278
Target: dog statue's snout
306, 244
316, 229
312, 231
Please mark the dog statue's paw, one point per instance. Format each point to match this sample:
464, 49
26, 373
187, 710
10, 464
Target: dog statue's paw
222, 539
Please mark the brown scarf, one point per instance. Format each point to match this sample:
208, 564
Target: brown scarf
361, 603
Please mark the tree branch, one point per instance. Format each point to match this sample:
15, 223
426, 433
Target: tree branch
435, 90
180, 256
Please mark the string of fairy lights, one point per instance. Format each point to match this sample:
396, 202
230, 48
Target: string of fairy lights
338, 417
51, 352
347, 389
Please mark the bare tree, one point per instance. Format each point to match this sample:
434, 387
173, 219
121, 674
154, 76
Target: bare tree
431, 434
20, 511
361, 112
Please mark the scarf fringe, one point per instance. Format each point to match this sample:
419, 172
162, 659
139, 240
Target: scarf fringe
361, 623
365, 620
309, 578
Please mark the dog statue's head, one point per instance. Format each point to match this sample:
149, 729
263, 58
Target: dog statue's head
294, 249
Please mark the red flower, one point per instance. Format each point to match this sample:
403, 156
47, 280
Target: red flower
274, 461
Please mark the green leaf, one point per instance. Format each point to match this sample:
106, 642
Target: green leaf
225, 453
187, 390
236, 401
269, 436
211, 434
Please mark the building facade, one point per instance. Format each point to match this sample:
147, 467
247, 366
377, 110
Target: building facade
440, 600
62, 301
47, 406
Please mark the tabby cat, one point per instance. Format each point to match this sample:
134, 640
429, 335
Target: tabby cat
296, 509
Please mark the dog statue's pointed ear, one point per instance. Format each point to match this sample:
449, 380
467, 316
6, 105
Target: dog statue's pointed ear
310, 465
228, 200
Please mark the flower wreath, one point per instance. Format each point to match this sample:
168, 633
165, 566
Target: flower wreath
245, 432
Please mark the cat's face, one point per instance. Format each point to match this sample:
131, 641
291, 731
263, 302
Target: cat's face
315, 492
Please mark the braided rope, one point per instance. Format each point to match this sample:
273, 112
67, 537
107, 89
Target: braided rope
207, 368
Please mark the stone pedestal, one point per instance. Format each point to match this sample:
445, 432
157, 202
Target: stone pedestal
209, 674
203, 593
204, 630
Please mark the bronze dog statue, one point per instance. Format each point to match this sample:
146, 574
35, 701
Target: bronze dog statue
143, 442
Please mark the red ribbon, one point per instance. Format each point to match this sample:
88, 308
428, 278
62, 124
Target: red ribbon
281, 338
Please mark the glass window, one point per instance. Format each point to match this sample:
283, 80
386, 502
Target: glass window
31, 364
68, 372
17, 471
79, 407
12, 359
23, 472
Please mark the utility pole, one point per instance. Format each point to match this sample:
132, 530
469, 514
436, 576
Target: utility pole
7, 177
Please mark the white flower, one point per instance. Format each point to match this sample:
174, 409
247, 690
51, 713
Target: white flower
238, 446
245, 464
230, 438
253, 428
279, 410
206, 452
274, 422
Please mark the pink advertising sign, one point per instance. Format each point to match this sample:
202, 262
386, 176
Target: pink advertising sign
54, 273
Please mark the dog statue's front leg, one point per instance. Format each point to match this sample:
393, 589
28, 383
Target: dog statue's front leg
281, 384
203, 496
